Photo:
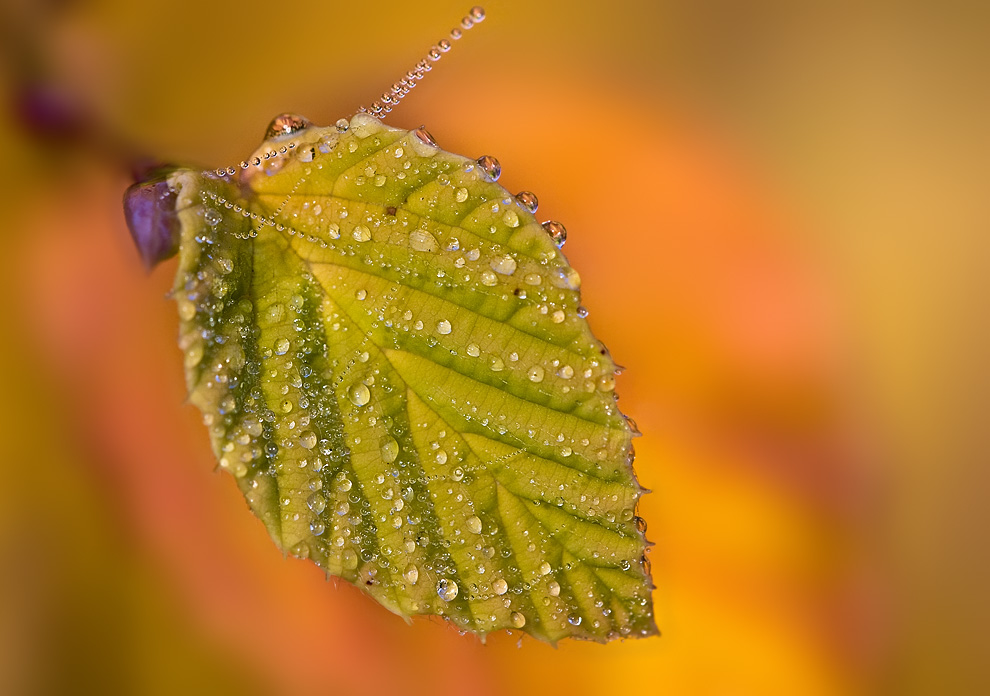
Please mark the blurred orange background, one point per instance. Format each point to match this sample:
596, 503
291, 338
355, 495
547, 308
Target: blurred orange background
779, 211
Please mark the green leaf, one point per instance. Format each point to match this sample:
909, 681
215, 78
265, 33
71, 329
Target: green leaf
389, 353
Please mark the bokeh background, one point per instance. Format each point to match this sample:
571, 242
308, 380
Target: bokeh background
780, 213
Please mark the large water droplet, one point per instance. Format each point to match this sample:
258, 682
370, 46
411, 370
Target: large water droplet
316, 502
349, 559
500, 587
443, 327
421, 240
473, 524
557, 232
567, 278
446, 589
286, 124
390, 450
411, 574
282, 346
528, 200
424, 136
518, 620
506, 265
535, 374
359, 394
490, 166
361, 233
308, 439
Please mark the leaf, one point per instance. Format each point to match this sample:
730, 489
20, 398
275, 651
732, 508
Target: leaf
389, 353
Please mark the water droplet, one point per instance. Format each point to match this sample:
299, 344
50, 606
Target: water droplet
317, 503
446, 589
424, 136
361, 294
390, 450
497, 364
557, 317
342, 125
286, 124
461, 194
349, 559
545, 568
535, 374
473, 350
574, 620
533, 279
361, 233
421, 240
528, 200
443, 327
565, 372
518, 620
411, 574
473, 524
441, 457
359, 394
500, 587
567, 278
477, 13
557, 232
554, 589
317, 527
308, 439
511, 218
212, 217
506, 265
490, 166
282, 346
487, 278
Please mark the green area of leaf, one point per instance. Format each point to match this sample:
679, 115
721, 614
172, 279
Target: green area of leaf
390, 356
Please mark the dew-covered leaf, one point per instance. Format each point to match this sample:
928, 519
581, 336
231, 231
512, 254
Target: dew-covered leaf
389, 353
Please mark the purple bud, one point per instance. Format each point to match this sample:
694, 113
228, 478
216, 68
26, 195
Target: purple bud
149, 208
